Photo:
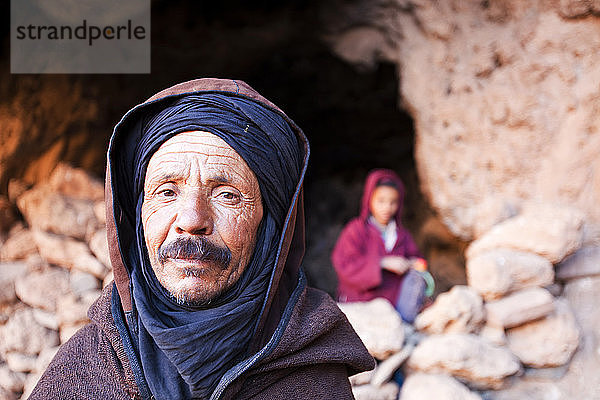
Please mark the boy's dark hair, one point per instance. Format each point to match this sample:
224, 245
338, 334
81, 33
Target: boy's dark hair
388, 183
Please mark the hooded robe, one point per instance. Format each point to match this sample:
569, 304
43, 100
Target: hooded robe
299, 346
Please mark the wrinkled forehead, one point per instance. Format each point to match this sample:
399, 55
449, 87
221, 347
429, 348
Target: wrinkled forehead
197, 151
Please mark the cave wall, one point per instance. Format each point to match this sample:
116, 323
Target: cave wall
504, 95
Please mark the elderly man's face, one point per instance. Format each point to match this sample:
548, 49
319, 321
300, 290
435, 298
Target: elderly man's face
201, 212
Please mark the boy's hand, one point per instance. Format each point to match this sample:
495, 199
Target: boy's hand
396, 264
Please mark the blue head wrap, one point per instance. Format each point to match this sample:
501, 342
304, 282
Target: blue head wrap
185, 350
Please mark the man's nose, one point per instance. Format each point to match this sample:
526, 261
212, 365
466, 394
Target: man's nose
194, 216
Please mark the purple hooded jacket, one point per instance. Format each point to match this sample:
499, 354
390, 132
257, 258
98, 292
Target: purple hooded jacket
358, 252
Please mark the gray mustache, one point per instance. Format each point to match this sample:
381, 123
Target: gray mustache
197, 249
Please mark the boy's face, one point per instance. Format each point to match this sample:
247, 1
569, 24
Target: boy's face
384, 204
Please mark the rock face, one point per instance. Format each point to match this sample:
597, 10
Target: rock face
42, 289
24, 335
9, 273
500, 95
99, 246
520, 307
584, 262
48, 274
377, 324
49, 211
495, 273
389, 391
467, 357
581, 380
18, 245
76, 183
10, 380
68, 253
550, 231
549, 342
435, 386
458, 311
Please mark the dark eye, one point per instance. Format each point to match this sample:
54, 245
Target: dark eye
167, 193
228, 196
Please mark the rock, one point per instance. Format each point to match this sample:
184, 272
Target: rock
16, 188
377, 324
532, 390
491, 212
7, 395
585, 262
386, 369
582, 379
44, 359
18, 246
24, 335
493, 334
48, 211
467, 357
549, 374
9, 273
35, 262
66, 331
497, 272
99, 246
550, 231
11, 380
389, 391
20, 362
362, 378
458, 311
520, 307
30, 383
108, 279
68, 253
72, 310
41, 289
549, 342
421, 386
555, 289
46, 319
76, 183
100, 212
7, 214
81, 282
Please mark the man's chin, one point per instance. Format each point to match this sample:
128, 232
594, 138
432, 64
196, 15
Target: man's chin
192, 295
193, 283
194, 289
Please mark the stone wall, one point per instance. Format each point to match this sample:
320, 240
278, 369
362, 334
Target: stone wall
52, 267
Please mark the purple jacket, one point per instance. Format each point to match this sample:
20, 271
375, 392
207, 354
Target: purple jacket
359, 249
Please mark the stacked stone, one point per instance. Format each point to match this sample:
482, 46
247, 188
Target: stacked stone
51, 271
512, 267
512, 322
438, 364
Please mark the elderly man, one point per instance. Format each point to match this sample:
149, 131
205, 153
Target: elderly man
206, 231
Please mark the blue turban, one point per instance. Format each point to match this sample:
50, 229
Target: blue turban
185, 350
